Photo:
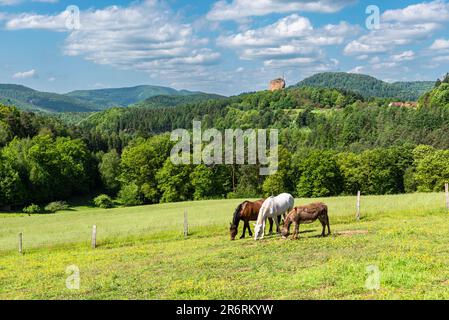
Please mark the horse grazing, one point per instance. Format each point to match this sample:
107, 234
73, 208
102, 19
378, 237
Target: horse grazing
246, 211
273, 207
305, 215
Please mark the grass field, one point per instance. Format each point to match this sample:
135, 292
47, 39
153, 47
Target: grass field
142, 253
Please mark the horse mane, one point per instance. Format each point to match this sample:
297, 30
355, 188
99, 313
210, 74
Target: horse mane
269, 202
236, 218
266, 203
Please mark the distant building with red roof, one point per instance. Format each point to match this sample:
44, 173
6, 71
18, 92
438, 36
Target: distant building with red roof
404, 104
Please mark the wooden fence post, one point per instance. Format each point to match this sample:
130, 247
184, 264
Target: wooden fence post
21, 243
358, 207
94, 237
186, 224
446, 189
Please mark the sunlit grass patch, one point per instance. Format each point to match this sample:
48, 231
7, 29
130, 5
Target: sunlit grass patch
142, 253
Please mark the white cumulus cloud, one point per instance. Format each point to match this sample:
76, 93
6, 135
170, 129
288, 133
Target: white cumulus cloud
9, 2
240, 9
145, 36
292, 39
26, 74
404, 56
390, 36
422, 12
400, 27
358, 69
440, 44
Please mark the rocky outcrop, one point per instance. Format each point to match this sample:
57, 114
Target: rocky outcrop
277, 84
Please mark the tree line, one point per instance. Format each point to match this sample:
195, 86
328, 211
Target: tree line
332, 143
369, 86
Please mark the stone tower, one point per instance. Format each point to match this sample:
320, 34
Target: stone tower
277, 84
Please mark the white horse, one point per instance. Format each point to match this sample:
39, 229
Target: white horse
272, 208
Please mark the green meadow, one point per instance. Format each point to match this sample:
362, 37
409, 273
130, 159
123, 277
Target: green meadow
142, 253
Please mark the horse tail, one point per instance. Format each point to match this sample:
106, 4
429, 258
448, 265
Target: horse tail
326, 215
236, 217
324, 209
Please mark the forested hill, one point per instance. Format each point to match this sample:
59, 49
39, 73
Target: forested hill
29, 99
115, 127
332, 142
165, 101
160, 97
32, 100
368, 86
122, 97
307, 117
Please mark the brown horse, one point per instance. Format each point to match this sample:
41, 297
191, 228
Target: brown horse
304, 215
246, 211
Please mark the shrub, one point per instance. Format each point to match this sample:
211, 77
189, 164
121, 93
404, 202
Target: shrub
410, 184
32, 209
129, 196
275, 184
56, 206
320, 175
103, 201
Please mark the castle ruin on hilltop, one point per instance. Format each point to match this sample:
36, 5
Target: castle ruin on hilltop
277, 84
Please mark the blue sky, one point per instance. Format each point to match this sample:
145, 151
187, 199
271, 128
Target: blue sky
222, 46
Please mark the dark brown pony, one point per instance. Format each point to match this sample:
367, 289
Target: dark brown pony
246, 211
304, 215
